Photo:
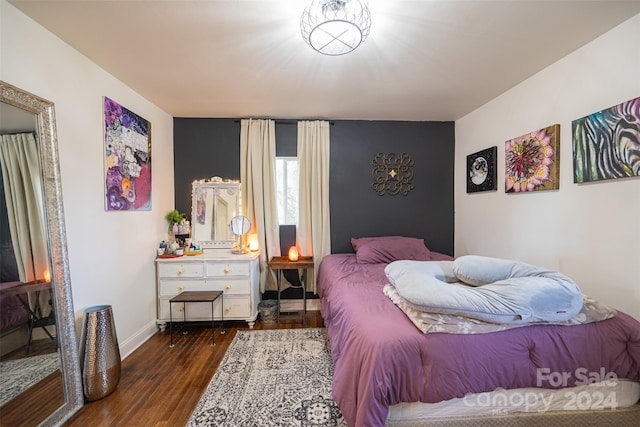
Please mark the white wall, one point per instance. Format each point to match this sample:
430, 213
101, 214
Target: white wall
111, 254
590, 232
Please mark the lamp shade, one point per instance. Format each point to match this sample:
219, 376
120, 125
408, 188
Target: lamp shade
335, 27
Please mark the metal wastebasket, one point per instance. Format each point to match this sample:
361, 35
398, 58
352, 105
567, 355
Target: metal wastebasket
268, 310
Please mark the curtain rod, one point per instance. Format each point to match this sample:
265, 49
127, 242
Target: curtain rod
287, 122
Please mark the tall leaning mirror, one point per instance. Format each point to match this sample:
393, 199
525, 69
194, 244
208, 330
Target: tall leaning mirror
42, 291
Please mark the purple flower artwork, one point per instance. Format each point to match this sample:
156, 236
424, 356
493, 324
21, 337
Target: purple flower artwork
127, 144
532, 161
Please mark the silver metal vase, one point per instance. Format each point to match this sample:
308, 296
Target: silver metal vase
99, 353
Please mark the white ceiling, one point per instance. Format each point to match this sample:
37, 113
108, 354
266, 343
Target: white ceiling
424, 60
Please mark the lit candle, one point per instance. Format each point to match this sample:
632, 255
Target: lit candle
253, 242
293, 253
47, 275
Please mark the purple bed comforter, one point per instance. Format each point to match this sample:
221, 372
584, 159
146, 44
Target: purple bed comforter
382, 359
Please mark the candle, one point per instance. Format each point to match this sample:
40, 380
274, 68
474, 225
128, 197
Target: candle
293, 253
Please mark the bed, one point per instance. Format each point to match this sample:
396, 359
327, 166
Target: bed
387, 371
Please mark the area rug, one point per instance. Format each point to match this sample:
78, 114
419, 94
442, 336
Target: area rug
18, 375
276, 377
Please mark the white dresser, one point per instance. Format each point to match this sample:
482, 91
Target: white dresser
238, 276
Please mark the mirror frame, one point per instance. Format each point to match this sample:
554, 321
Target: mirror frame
220, 184
56, 233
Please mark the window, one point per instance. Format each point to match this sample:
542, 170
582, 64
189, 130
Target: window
287, 190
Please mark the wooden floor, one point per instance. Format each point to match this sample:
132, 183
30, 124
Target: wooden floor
160, 386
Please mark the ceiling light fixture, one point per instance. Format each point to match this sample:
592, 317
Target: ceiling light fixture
335, 27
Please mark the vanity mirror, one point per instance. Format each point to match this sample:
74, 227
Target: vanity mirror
214, 202
239, 226
63, 394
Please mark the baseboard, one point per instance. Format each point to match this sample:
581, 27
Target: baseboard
136, 340
13, 339
297, 304
130, 345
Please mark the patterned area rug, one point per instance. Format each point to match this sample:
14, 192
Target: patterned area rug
18, 375
272, 378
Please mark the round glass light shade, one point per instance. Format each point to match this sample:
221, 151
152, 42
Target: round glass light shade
335, 27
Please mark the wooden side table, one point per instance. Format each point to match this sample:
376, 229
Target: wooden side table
196, 296
281, 263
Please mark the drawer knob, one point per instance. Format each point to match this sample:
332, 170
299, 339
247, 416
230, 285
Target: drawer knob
227, 270
227, 309
181, 288
180, 272
227, 287
180, 309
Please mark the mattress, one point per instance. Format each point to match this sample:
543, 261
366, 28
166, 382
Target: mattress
604, 395
381, 359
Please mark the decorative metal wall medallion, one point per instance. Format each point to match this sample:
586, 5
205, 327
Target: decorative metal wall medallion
392, 174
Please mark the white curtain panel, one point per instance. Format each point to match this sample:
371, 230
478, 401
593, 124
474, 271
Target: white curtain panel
314, 228
258, 177
25, 208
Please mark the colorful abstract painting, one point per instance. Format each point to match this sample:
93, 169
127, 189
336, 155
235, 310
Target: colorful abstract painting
127, 141
481, 170
532, 161
606, 144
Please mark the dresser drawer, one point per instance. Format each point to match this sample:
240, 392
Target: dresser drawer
173, 287
228, 269
181, 269
191, 311
230, 286
234, 308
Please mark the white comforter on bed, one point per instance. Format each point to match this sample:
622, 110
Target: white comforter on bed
489, 289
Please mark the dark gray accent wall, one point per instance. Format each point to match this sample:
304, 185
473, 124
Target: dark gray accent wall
211, 147
358, 211
203, 148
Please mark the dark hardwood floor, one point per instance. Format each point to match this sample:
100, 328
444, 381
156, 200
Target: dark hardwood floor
160, 386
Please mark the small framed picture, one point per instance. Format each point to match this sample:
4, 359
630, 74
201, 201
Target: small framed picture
481, 170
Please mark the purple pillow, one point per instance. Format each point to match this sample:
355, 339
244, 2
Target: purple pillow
386, 249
